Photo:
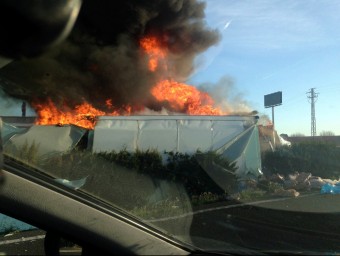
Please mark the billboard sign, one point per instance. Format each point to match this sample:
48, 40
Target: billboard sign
273, 99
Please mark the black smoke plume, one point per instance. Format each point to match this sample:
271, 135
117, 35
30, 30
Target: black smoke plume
102, 59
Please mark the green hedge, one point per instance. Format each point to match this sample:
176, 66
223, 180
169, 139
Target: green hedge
319, 158
124, 177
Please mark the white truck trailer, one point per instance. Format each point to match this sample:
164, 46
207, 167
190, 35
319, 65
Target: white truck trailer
234, 137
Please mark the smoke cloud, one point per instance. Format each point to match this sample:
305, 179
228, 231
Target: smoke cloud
264, 120
102, 58
11, 106
227, 97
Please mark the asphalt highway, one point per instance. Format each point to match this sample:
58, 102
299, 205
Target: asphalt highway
29, 243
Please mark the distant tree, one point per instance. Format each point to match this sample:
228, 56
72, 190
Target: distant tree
297, 134
327, 133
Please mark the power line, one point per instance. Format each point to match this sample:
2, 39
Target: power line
312, 96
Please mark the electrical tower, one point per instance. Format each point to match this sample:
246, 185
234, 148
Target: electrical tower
312, 96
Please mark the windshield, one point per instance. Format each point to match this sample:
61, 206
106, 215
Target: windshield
212, 121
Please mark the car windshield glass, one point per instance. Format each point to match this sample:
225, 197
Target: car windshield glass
209, 120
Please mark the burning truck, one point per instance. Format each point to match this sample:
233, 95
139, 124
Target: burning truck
234, 137
167, 116
130, 72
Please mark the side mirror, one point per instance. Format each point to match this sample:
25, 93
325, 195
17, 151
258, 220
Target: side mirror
29, 28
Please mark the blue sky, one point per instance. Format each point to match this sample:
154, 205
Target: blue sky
269, 46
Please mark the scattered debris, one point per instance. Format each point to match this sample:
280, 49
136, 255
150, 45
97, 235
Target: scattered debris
286, 193
292, 185
74, 184
276, 178
330, 188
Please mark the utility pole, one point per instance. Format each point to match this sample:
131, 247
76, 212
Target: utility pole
312, 97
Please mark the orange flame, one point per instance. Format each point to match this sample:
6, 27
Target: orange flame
180, 97
84, 115
185, 98
153, 49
